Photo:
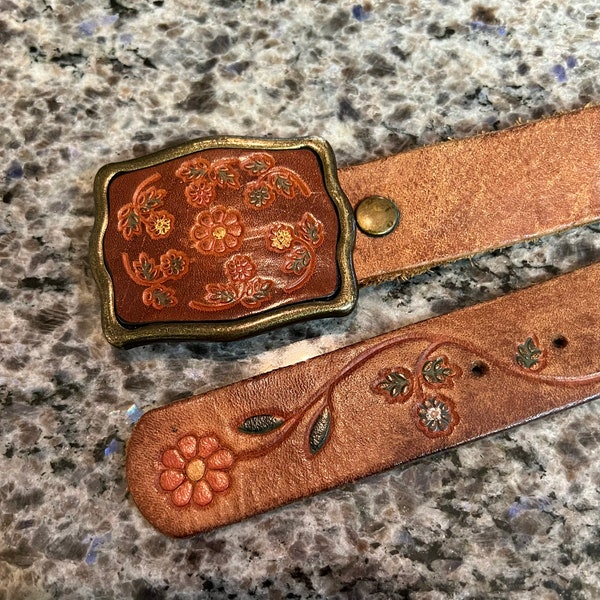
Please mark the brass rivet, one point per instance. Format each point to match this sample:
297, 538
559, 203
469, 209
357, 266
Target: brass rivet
376, 215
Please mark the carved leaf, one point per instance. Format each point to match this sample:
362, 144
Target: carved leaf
257, 291
146, 268
159, 297
310, 229
297, 260
319, 432
395, 384
528, 354
150, 199
225, 176
129, 222
220, 293
435, 371
258, 163
288, 183
259, 424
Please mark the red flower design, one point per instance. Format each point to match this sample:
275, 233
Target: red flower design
174, 264
279, 237
159, 224
200, 193
195, 469
218, 230
240, 268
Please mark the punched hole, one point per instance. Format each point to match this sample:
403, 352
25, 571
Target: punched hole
479, 369
560, 342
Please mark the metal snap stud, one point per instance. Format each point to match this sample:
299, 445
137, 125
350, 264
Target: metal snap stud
377, 216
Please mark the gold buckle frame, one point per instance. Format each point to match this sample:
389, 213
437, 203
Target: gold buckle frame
341, 303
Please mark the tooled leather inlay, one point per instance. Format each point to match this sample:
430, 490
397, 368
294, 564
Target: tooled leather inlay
197, 467
214, 235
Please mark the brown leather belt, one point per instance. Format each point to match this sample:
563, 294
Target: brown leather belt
226, 237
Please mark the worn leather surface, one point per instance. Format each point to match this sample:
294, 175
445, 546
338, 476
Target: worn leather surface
463, 197
188, 241
249, 447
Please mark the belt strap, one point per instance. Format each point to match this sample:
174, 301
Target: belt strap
468, 196
260, 443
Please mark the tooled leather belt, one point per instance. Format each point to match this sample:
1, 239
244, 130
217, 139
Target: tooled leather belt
226, 237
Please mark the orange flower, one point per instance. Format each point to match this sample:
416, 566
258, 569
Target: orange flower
280, 237
174, 264
195, 469
218, 230
240, 268
159, 224
200, 193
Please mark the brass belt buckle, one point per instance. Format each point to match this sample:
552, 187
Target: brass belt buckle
221, 238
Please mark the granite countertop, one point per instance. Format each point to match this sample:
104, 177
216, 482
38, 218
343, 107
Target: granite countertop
86, 83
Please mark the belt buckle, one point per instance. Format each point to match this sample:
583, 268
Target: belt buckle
221, 238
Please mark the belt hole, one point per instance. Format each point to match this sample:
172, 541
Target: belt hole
560, 342
479, 369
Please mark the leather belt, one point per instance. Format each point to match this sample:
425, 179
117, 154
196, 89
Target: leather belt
260, 443
226, 237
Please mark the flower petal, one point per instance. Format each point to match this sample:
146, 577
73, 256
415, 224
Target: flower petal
207, 445
202, 493
183, 494
217, 214
188, 446
219, 246
206, 244
172, 458
230, 217
170, 479
235, 230
230, 241
221, 459
218, 480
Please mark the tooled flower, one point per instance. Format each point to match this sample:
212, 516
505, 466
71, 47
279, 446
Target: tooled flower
200, 193
279, 237
240, 268
195, 470
218, 230
159, 224
174, 264
437, 416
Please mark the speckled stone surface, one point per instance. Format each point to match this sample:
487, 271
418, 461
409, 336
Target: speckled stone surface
84, 83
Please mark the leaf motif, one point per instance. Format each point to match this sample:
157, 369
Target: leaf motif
159, 297
296, 260
284, 185
435, 371
257, 291
224, 175
220, 293
395, 384
150, 199
310, 229
260, 424
129, 222
146, 268
319, 432
257, 163
528, 354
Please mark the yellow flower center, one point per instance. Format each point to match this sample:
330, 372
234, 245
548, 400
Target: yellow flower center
195, 470
219, 232
281, 239
162, 225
